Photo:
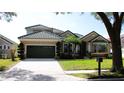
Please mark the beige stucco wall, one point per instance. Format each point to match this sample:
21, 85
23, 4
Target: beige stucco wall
38, 42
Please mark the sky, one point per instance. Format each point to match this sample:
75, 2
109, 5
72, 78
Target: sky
33, 12
75, 22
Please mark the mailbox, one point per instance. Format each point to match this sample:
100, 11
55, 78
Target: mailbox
99, 59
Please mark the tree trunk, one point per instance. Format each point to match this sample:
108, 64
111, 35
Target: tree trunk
13, 55
114, 30
117, 64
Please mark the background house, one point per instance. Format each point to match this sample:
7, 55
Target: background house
6, 45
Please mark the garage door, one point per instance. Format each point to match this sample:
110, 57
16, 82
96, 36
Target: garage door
40, 51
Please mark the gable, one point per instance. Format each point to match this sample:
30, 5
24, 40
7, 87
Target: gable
94, 36
67, 33
4, 39
90, 36
3, 42
99, 39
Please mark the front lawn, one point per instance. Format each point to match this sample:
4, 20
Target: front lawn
7, 63
84, 64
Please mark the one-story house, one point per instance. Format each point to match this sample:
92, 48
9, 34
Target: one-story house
43, 42
6, 47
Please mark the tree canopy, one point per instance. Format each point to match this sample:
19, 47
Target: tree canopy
72, 39
7, 16
113, 23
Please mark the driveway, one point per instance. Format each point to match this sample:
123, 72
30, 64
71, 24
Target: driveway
37, 70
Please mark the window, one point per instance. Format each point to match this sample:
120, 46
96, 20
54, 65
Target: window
8, 47
68, 47
65, 48
0, 47
100, 47
4, 47
77, 48
71, 47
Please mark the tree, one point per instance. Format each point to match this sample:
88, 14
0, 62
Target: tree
113, 22
13, 54
74, 40
21, 51
58, 49
8, 17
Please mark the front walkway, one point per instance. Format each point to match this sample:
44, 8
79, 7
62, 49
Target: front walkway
82, 71
37, 70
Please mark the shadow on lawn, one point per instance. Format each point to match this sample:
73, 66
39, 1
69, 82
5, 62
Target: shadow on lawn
106, 77
25, 75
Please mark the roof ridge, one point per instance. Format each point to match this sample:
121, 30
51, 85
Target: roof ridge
7, 39
36, 25
51, 32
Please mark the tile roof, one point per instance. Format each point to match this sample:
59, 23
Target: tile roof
79, 35
41, 35
66, 33
40, 27
35, 26
7, 39
91, 36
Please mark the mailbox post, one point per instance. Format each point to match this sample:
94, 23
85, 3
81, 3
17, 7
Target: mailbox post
99, 60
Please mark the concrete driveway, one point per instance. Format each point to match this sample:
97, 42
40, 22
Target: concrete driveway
37, 70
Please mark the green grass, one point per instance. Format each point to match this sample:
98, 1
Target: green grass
84, 64
7, 63
95, 75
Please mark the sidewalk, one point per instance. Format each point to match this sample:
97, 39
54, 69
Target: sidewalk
82, 71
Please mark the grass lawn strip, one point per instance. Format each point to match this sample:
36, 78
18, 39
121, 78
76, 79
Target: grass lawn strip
7, 63
84, 64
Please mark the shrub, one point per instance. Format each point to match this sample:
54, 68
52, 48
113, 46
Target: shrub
21, 51
109, 56
58, 49
88, 54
